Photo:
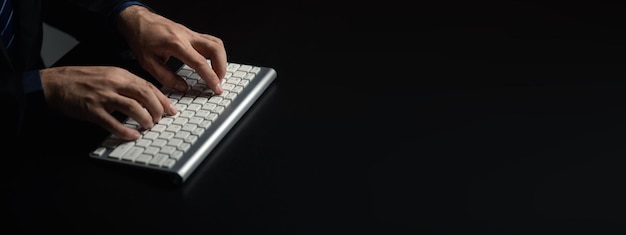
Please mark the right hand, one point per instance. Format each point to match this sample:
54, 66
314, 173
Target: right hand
153, 39
92, 93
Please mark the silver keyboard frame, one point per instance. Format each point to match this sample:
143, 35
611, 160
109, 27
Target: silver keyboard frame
212, 136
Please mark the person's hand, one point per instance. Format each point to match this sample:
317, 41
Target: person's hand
92, 93
154, 39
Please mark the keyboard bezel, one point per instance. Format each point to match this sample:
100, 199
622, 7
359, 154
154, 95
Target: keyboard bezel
205, 144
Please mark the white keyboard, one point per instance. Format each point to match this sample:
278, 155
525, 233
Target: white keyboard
178, 144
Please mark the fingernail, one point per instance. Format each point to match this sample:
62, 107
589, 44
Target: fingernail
181, 86
173, 108
219, 88
135, 135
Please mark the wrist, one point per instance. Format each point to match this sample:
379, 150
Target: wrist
129, 16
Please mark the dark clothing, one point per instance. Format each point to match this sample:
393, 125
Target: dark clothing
80, 18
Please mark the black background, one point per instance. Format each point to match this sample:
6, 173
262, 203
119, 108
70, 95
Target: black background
446, 117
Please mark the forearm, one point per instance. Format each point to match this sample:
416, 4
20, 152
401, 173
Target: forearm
129, 18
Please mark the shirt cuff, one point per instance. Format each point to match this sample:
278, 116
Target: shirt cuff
32, 82
116, 12
124, 5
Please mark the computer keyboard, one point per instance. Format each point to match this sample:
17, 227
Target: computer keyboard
177, 144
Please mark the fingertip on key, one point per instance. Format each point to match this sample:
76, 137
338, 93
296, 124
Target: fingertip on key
181, 86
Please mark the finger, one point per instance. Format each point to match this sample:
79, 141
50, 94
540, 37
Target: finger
214, 50
111, 124
152, 99
134, 110
164, 75
167, 105
142, 93
191, 57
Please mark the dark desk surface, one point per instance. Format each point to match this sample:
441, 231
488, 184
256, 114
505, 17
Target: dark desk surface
436, 119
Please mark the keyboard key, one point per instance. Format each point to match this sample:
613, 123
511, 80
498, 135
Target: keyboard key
178, 144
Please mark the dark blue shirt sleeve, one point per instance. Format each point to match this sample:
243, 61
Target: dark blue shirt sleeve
32, 82
123, 6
